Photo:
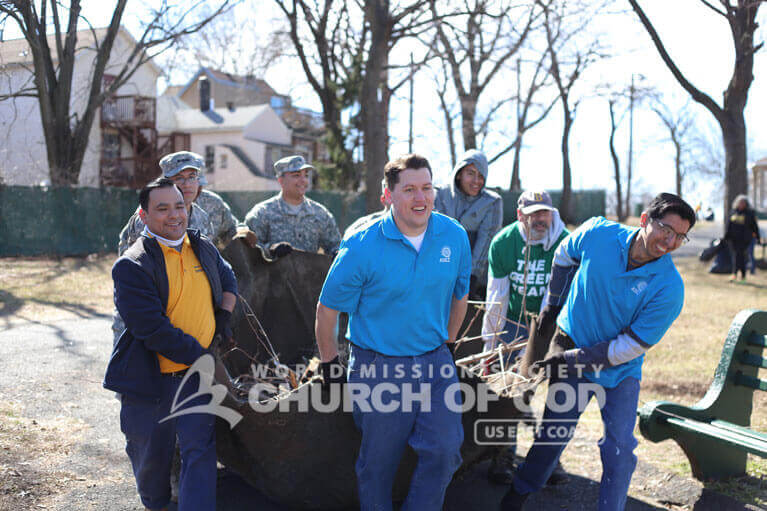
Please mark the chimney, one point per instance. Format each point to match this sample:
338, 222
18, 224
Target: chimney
204, 94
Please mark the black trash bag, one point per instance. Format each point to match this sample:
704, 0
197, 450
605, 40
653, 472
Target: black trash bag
723, 262
708, 253
305, 459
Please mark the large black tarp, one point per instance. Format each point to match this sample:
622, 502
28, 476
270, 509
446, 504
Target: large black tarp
304, 459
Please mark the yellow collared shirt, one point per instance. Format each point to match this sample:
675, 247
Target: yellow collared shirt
190, 300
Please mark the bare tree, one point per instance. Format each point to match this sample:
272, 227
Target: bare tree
475, 42
441, 80
330, 50
679, 124
569, 54
526, 107
740, 16
66, 132
615, 120
232, 43
348, 66
387, 25
622, 101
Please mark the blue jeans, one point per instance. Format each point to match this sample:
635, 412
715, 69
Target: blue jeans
616, 447
426, 423
150, 446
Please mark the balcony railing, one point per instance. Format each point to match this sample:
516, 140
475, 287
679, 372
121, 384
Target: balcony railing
129, 110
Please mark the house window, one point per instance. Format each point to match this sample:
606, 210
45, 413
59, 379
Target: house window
210, 158
222, 162
106, 80
277, 103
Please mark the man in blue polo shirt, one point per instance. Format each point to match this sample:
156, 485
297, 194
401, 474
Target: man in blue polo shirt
404, 281
618, 292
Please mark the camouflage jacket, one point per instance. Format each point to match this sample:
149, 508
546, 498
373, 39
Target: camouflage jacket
311, 228
222, 221
198, 220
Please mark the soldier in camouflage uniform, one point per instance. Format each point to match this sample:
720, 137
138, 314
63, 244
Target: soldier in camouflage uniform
185, 169
222, 221
290, 220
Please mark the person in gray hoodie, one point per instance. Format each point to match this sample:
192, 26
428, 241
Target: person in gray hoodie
479, 211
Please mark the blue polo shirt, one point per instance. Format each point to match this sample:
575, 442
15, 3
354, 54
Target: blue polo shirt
606, 300
399, 300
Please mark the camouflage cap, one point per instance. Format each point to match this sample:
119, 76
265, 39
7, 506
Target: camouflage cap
534, 200
174, 163
288, 164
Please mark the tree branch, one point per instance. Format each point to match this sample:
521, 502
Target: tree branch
699, 96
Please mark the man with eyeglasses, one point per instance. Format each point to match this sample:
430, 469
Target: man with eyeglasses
618, 292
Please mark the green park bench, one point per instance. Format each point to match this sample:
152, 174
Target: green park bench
715, 433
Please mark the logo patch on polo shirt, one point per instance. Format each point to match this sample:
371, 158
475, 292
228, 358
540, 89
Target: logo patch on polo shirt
639, 287
445, 252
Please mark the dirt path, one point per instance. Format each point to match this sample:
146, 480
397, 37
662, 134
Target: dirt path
61, 446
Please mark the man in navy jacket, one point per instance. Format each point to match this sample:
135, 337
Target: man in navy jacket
175, 293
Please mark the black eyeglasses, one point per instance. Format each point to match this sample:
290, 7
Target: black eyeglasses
668, 231
180, 180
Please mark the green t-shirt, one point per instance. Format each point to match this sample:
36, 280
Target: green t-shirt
507, 259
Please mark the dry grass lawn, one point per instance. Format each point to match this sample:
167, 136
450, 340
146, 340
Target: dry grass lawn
39, 288
679, 369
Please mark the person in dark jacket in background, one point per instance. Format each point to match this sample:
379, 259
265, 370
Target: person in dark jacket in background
175, 293
741, 231
479, 211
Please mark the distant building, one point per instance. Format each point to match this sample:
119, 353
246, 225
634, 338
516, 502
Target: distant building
239, 145
758, 185
123, 140
232, 102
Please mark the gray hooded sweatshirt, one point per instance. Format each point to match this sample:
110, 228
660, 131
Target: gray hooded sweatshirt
481, 216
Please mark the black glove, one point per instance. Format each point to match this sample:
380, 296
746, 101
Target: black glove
547, 320
223, 317
280, 249
332, 372
591, 358
552, 363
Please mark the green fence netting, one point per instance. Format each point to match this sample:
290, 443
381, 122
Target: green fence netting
77, 221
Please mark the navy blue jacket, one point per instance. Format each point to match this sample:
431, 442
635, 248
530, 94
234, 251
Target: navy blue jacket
141, 296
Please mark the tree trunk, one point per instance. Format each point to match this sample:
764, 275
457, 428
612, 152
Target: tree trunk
566, 206
373, 111
468, 115
741, 18
516, 183
449, 129
677, 163
734, 138
616, 166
